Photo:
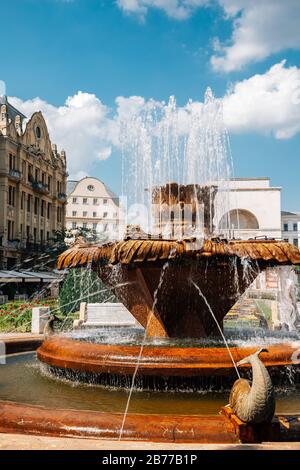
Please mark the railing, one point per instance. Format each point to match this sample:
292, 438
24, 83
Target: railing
15, 174
16, 244
62, 196
34, 247
40, 187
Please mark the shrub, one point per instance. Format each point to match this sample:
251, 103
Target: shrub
82, 285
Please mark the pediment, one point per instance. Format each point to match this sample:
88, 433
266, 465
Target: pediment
36, 137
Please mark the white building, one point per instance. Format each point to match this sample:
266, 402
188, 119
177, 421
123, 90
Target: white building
254, 209
291, 227
92, 205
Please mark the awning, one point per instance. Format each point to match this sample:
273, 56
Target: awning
28, 276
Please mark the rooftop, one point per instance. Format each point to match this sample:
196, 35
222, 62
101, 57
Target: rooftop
12, 111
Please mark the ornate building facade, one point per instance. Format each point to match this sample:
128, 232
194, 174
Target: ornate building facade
93, 206
32, 186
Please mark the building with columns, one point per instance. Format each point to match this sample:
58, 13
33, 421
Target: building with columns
254, 209
32, 186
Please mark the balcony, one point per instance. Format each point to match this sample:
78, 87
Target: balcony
62, 197
14, 244
34, 247
40, 187
15, 174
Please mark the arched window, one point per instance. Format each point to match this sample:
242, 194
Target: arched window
239, 219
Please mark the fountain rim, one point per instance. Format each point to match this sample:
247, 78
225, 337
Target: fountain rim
146, 250
67, 353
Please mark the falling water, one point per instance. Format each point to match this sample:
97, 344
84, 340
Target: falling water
288, 292
165, 267
219, 328
165, 143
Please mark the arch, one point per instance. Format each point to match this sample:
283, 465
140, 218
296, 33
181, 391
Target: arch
239, 219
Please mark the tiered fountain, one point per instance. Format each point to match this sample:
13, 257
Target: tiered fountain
180, 281
179, 271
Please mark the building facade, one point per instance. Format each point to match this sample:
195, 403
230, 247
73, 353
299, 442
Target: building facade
291, 227
32, 186
92, 205
254, 209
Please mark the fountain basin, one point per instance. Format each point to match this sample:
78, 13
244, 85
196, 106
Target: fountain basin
156, 279
65, 354
32, 402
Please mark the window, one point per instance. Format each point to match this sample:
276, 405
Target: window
34, 235
42, 236
285, 227
48, 236
11, 196
29, 197
295, 227
74, 224
94, 214
84, 225
42, 208
38, 132
59, 214
104, 215
105, 227
48, 210
95, 201
115, 215
104, 201
91, 187
49, 183
12, 162
296, 242
22, 200
84, 213
84, 200
74, 213
24, 169
37, 174
10, 230
29, 174
286, 240
74, 200
27, 232
36, 206
21, 230
95, 226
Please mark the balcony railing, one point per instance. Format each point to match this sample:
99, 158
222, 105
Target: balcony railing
40, 187
62, 196
15, 174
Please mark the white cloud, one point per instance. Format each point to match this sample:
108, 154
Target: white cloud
267, 104
177, 9
260, 28
82, 126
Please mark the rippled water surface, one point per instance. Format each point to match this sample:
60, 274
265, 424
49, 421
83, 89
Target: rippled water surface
24, 380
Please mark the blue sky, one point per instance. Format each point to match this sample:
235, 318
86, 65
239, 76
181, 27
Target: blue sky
154, 49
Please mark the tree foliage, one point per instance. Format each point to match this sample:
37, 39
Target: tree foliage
83, 285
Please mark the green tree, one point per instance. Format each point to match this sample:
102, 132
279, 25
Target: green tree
82, 285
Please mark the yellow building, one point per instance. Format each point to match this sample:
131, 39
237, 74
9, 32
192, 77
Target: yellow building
32, 186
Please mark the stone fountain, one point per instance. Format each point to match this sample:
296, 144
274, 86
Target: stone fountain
159, 281
181, 274
178, 275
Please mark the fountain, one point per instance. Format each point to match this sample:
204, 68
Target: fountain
178, 271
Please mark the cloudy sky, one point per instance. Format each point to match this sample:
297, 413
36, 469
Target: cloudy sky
84, 63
